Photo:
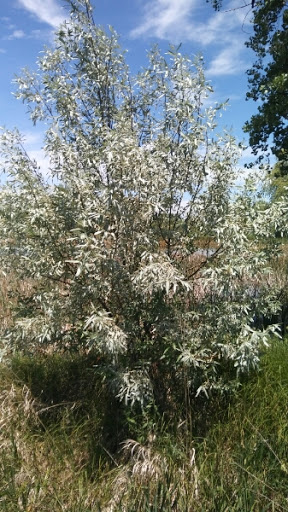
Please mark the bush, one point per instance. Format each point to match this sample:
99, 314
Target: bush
139, 251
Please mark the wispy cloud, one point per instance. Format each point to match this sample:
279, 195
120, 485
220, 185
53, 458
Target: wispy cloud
161, 17
16, 34
182, 20
227, 62
47, 11
167, 19
33, 139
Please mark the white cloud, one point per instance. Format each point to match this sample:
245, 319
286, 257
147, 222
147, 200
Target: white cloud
2, 50
32, 138
163, 17
227, 62
47, 11
167, 19
182, 20
16, 34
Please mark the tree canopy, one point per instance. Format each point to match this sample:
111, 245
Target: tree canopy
136, 250
268, 80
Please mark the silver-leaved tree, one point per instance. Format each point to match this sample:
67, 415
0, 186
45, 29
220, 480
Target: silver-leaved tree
139, 248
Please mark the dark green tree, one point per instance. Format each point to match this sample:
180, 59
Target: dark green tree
278, 183
268, 78
268, 81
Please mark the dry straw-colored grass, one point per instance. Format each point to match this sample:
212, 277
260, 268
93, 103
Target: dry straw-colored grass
41, 469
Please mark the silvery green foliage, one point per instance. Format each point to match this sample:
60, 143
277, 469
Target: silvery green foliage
138, 251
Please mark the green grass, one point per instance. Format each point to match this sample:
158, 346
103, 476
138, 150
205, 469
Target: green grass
64, 445
247, 456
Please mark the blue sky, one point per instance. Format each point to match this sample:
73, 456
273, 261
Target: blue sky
28, 25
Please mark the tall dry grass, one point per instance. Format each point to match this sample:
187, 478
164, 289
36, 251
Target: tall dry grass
74, 455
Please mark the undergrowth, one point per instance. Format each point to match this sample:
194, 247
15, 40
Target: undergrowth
68, 445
